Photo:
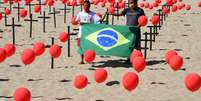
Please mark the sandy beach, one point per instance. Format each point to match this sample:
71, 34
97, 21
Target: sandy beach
181, 31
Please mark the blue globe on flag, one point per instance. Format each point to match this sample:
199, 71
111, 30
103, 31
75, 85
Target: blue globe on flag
107, 38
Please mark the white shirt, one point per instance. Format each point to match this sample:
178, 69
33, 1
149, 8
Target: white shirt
84, 17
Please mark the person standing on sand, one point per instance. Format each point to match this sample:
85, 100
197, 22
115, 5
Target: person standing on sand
132, 13
84, 17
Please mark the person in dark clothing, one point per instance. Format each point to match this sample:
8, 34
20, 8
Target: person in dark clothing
132, 13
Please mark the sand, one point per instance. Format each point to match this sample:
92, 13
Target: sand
181, 31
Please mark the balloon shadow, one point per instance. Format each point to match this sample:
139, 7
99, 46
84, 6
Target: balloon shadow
34, 79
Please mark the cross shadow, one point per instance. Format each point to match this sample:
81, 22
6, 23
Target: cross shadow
15, 65
34, 79
155, 62
36, 96
112, 63
4, 79
65, 80
99, 100
6, 97
111, 83
160, 83
66, 98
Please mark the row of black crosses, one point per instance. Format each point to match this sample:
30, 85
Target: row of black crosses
153, 29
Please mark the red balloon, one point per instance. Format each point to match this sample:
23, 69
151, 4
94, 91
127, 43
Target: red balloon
130, 81
155, 20
98, 14
142, 20
73, 21
50, 2
80, 81
135, 54
2, 54
37, 8
165, 11
100, 75
199, 4
141, 5
63, 1
158, 1
150, 7
169, 54
1, 16
96, 2
81, 1
188, 7
103, 4
179, 7
55, 51
111, 1
5, 1
139, 64
174, 8
169, 2
146, 5
74, 3
28, 56
63, 36
7, 11
10, 49
174, 1
193, 82
183, 5
39, 48
176, 62
78, 42
89, 55
27, 2
22, 94
155, 4
111, 10
121, 5
23, 13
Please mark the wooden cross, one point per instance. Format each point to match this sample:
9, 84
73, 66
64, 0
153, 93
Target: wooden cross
13, 25
31, 23
44, 17
65, 9
68, 28
160, 16
18, 10
54, 16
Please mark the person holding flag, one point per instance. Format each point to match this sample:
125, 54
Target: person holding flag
84, 17
132, 13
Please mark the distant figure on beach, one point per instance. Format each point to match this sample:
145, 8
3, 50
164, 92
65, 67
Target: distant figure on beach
132, 13
84, 17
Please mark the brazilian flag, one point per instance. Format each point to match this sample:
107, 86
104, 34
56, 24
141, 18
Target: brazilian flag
111, 40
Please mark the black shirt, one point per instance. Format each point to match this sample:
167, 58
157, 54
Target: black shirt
132, 15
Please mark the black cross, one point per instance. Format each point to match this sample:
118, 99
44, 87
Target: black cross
65, 9
160, 16
68, 41
31, 23
44, 20
10, 3
13, 28
54, 15
18, 10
